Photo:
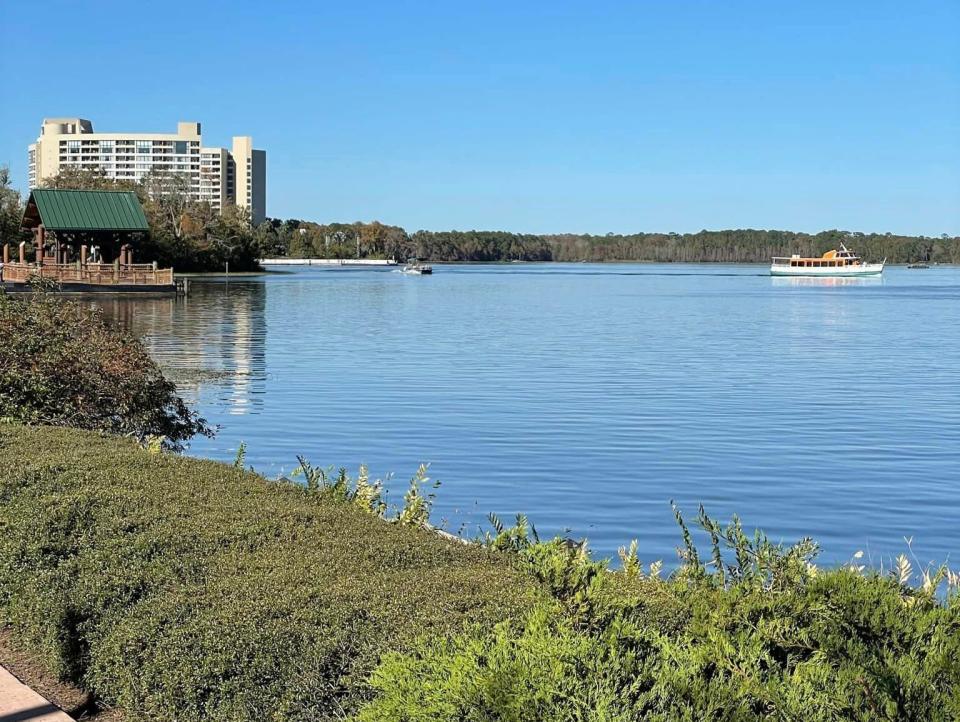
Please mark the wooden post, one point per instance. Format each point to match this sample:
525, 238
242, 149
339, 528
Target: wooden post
83, 255
6, 253
23, 252
40, 243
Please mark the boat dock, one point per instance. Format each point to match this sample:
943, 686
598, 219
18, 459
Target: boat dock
90, 274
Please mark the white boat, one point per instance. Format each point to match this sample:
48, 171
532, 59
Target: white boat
832, 263
415, 268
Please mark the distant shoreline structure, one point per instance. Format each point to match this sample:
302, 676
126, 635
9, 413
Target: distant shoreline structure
327, 262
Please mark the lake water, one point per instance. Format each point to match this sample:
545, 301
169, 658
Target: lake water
589, 396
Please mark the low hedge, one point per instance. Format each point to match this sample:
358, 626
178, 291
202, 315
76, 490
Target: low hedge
181, 589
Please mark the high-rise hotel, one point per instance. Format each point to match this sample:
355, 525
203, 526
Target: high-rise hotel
219, 176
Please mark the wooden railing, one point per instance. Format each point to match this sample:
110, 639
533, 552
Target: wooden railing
136, 274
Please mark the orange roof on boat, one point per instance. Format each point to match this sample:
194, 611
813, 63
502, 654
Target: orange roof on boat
830, 254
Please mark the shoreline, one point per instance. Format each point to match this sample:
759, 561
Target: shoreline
609, 262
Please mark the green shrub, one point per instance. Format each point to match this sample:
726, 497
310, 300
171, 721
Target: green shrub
61, 364
756, 633
181, 589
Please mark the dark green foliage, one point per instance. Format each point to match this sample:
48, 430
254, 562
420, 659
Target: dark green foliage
304, 239
189, 590
763, 635
61, 364
481, 246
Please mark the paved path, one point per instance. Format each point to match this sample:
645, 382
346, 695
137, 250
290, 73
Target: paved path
19, 703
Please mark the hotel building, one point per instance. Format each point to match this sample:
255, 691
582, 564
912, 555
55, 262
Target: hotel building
218, 176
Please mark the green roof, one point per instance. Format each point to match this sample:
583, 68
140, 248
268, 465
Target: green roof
69, 210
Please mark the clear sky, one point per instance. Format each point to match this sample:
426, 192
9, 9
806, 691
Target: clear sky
528, 116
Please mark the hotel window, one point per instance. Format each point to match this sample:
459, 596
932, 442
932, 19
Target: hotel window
73, 146
143, 146
180, 147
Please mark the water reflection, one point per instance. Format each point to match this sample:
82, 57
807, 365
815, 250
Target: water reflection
591, 398
211, 342
827, 281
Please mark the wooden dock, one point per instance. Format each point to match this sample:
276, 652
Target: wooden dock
92, 277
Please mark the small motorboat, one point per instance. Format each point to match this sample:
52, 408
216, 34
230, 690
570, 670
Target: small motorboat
415, 268
918, 265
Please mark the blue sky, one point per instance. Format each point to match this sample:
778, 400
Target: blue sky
527, 116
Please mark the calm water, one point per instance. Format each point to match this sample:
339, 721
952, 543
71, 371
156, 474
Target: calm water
590, 396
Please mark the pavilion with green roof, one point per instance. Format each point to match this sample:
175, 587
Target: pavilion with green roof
83, 238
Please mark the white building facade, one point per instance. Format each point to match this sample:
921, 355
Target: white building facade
218, 176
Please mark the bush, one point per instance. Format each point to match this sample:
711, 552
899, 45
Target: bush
61, 364
181, 589
187, 590
765, 636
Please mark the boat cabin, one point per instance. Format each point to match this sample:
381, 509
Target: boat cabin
831, 259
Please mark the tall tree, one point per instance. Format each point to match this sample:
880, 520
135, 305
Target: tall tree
168, 201
11, 208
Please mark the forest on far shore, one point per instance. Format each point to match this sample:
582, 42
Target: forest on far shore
191, 236
304, 239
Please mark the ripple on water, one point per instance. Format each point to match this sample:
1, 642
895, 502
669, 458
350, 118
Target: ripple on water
589, 396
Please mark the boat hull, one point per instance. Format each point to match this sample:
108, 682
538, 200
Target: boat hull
866, 269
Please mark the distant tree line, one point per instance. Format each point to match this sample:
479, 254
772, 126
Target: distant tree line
191, 236
301, 239
750, 246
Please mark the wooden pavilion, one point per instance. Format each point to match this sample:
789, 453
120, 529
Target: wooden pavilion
84, 240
